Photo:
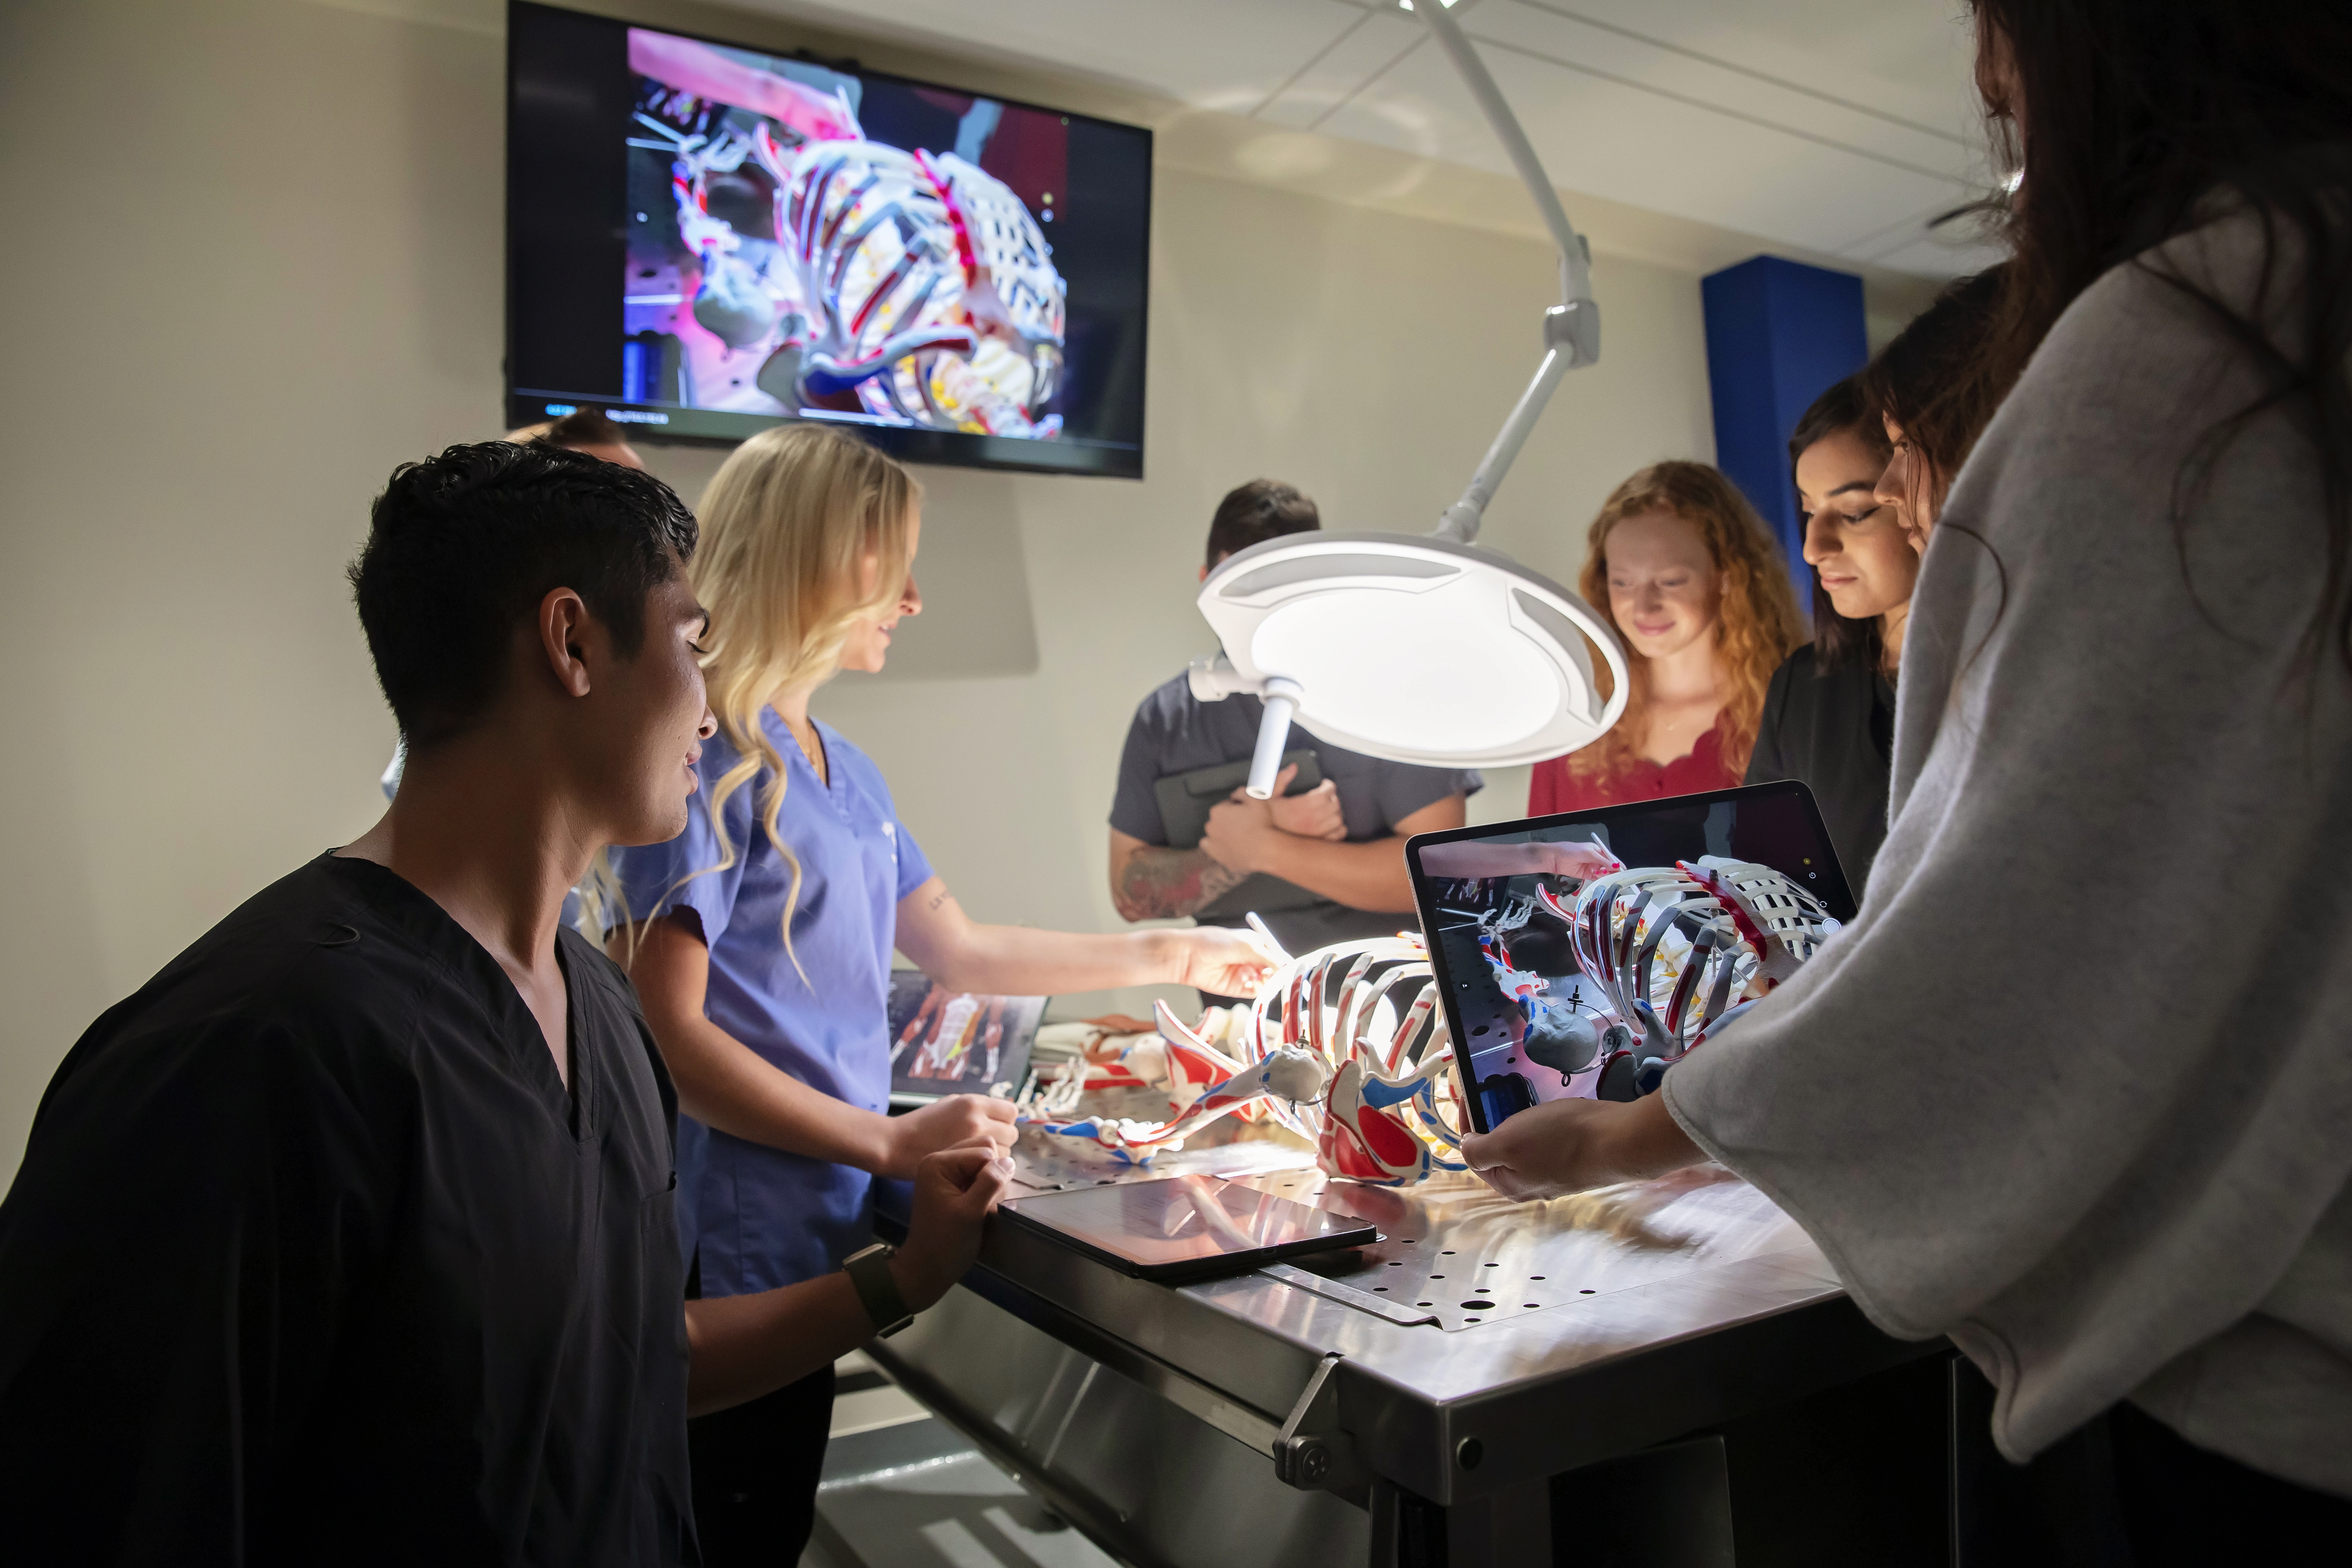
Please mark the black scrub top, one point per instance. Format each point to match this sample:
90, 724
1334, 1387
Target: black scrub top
1834, 731
312, 1258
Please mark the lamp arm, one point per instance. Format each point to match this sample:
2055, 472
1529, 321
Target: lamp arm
1214, 679
1460, 520
1281, 698
1571, 338
1571, 328
1576, 277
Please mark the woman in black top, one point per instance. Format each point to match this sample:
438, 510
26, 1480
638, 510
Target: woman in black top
1829, 715
1871, 457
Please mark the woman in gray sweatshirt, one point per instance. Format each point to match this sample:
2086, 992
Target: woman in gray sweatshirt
2076, 1087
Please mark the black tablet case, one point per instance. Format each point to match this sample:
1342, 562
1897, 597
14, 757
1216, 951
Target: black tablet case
1186, 799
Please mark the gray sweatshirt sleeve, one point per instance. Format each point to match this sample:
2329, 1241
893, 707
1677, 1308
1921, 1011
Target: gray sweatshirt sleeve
2076, 1087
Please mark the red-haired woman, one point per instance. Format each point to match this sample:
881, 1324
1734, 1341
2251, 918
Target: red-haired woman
1681, 566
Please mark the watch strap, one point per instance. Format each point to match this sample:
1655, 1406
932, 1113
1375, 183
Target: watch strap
878, 1288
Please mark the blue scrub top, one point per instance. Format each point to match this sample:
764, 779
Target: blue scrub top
759, 1217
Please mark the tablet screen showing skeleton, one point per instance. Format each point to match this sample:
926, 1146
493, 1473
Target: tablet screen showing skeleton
1584, 954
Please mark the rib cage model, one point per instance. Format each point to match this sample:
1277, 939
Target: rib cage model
931, 285
1676, 951
1342, 1074
1681, 951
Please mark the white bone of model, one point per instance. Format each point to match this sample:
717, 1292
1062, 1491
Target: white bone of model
1330, 1073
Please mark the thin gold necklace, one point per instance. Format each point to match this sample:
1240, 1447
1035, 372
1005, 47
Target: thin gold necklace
812, 748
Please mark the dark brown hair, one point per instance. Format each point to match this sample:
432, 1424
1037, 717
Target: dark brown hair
1258, 511
585, 427
1840, 641
1936, 381
2136, 114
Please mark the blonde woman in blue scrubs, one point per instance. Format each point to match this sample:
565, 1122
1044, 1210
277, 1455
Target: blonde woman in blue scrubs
780, 1044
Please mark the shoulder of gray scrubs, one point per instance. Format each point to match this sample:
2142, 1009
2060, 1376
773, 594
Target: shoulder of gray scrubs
1403, 788
2074, 1086
1134, 808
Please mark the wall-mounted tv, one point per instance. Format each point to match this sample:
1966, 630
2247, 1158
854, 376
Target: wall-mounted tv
705, 239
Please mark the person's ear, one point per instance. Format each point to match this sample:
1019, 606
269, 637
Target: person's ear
566, 630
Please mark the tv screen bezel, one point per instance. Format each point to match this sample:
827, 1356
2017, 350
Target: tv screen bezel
908, 444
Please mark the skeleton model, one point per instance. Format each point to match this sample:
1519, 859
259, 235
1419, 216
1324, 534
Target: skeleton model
933, 295
1680, 951
1333, 1066
916, 281
1671, 953
1525, 986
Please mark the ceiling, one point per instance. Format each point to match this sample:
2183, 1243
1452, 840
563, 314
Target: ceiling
1837, 128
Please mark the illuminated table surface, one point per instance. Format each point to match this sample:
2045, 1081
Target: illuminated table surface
1480, 1348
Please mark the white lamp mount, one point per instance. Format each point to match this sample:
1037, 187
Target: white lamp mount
1424, 648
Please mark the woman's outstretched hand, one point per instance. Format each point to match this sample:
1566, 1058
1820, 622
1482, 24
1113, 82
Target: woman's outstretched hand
955, 1191
1224, 961
1568, 1146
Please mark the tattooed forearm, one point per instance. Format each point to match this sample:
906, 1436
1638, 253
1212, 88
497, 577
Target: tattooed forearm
1157, 882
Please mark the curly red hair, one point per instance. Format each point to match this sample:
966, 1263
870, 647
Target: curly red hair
1756, 623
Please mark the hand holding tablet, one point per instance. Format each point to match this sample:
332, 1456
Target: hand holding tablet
1540, 1015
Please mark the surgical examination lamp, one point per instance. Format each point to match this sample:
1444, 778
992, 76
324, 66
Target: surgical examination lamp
1424, 648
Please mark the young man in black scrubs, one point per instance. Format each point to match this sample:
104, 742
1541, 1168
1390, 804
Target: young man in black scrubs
349, 1237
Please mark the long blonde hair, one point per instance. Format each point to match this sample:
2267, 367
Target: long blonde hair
788, 524
1756, 623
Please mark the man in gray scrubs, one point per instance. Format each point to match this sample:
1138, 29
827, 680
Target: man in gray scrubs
1319, 864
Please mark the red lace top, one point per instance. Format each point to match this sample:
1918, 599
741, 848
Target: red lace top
1553, 788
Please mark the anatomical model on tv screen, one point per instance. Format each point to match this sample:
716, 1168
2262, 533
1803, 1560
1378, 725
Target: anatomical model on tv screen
781, 259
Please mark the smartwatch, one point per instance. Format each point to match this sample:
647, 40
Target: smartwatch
869, 1271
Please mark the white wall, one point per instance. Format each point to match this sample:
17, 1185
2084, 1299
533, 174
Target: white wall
256, 261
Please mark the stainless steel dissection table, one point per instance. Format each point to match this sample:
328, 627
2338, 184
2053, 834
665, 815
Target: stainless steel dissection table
1668, 1370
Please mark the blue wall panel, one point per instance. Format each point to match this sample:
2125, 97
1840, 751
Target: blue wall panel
1778, 334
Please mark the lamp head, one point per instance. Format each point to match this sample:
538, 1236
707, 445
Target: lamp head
1415, 648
